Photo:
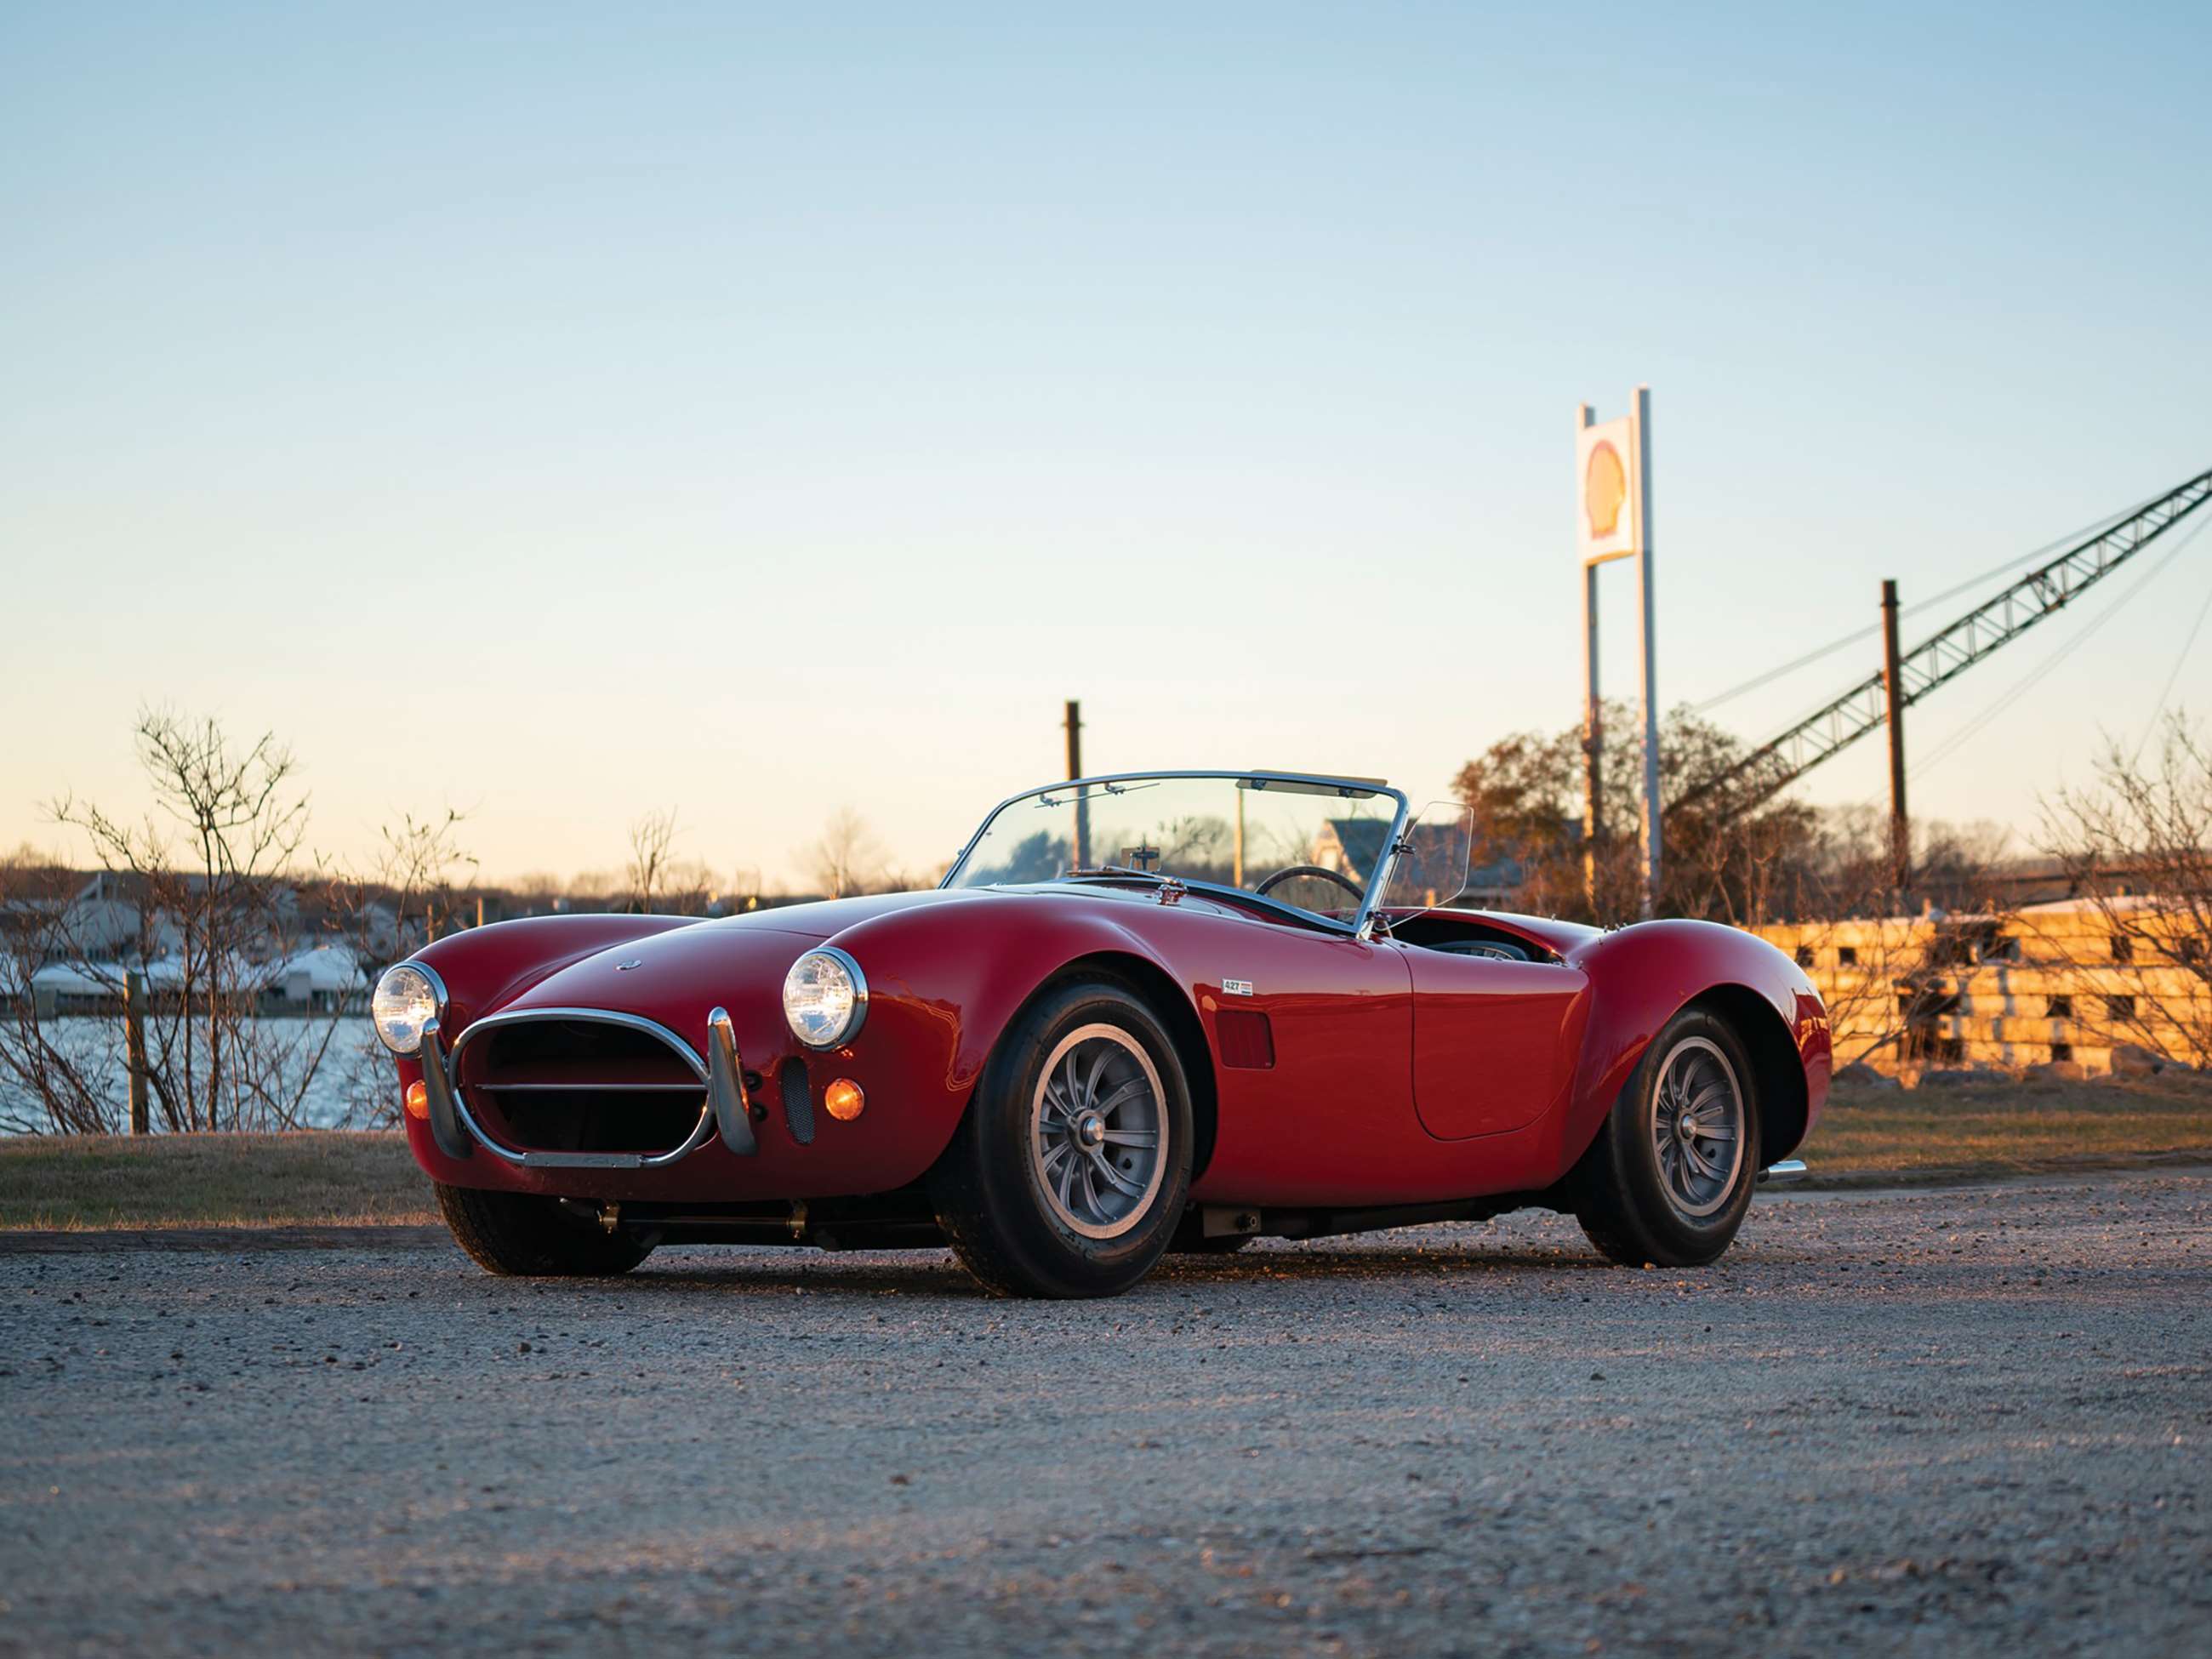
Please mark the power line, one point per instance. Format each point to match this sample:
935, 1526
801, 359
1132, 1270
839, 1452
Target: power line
1810, 656
2005, 700
2167, 690
2094, 527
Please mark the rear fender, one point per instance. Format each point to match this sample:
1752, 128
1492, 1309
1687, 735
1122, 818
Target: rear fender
1642, 976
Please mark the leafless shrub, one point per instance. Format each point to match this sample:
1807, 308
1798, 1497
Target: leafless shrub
49, 1083
2134, 844
652, 839
407, 897
205, 872
848, 858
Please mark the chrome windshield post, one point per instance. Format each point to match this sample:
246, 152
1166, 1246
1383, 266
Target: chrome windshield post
1395, 843
438, 1088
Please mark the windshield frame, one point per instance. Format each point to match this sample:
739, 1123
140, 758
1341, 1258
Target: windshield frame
1361, 926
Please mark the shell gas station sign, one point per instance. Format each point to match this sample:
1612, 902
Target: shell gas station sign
1611, 518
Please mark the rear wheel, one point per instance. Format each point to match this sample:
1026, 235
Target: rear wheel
1670, 1176
526, 1236
1070, 1170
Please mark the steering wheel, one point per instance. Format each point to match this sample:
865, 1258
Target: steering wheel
1288, 872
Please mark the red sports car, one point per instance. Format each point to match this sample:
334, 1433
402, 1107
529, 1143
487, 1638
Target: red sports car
1142, 1013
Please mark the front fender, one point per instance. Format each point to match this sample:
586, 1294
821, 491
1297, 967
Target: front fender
944, 983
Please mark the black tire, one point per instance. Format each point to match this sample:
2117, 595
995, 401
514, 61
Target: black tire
1628, 1201
990, 1195
525, 1235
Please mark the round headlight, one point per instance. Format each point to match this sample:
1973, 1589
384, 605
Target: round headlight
825, 998
407, 998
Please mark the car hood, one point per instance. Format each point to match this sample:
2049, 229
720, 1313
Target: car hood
665, 972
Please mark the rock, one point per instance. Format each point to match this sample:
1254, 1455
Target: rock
1860, 1075
2056, 1071
2133, 1059
1953, 1077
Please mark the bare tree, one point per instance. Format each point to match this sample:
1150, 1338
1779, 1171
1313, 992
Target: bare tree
2137, 844
50, 1080
744, 889
848, 858
651, 841
406, 898
911, 878
226, 828
688, 888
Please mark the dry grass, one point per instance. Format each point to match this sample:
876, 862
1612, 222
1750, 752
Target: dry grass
316, 1178
1866, 1136
2002, 1127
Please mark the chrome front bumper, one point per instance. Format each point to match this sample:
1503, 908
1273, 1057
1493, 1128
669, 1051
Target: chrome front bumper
458, 1134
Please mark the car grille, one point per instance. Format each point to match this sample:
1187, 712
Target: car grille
569, 1086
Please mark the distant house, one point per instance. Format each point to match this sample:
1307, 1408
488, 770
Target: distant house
1352, 845
327, 978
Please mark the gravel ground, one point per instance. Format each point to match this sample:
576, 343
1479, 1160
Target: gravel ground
1942, 1423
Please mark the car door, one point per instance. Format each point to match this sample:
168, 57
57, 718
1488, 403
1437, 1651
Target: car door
1494, 1041
1310, 1030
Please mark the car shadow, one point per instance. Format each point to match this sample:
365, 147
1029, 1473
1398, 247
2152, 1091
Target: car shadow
936, 1274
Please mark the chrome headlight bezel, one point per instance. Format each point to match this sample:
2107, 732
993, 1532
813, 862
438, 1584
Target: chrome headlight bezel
804, 981
402, 988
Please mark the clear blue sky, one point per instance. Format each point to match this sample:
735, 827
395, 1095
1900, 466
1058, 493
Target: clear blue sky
561, 411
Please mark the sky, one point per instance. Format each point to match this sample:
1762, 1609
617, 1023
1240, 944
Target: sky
562, 413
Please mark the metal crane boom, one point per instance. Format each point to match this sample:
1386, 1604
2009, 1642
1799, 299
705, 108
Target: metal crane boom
1949, 651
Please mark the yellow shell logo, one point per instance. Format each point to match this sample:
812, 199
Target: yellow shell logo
1605, 491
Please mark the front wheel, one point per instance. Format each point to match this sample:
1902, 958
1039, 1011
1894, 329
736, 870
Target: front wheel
1071, 1169
526, 1236
1670, 1176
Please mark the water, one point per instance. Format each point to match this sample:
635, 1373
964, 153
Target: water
354, 1086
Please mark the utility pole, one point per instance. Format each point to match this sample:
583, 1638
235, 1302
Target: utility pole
1073, 725
134, 1038
1900, 826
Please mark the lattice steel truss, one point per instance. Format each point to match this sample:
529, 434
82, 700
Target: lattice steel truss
1946, 654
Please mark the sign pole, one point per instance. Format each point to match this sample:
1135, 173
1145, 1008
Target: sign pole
1593, 717
1649, 654
1613, 464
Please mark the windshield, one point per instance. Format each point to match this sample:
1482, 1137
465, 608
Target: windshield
1311, 843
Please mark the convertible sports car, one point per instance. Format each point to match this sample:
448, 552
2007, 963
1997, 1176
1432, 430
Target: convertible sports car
1141, 1013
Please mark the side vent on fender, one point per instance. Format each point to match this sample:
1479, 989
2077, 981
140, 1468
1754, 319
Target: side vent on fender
1248, 1041
798, 1101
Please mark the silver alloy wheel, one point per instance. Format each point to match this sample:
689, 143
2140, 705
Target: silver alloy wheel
1696, 1128
1098, 1129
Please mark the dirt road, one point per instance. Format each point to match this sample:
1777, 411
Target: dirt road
1943, 1423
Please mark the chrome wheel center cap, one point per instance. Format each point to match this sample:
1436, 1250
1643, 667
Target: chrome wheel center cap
1686, 1127
1090, 1129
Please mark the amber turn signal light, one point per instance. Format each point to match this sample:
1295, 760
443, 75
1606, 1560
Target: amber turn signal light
418, 1099
844, 1100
